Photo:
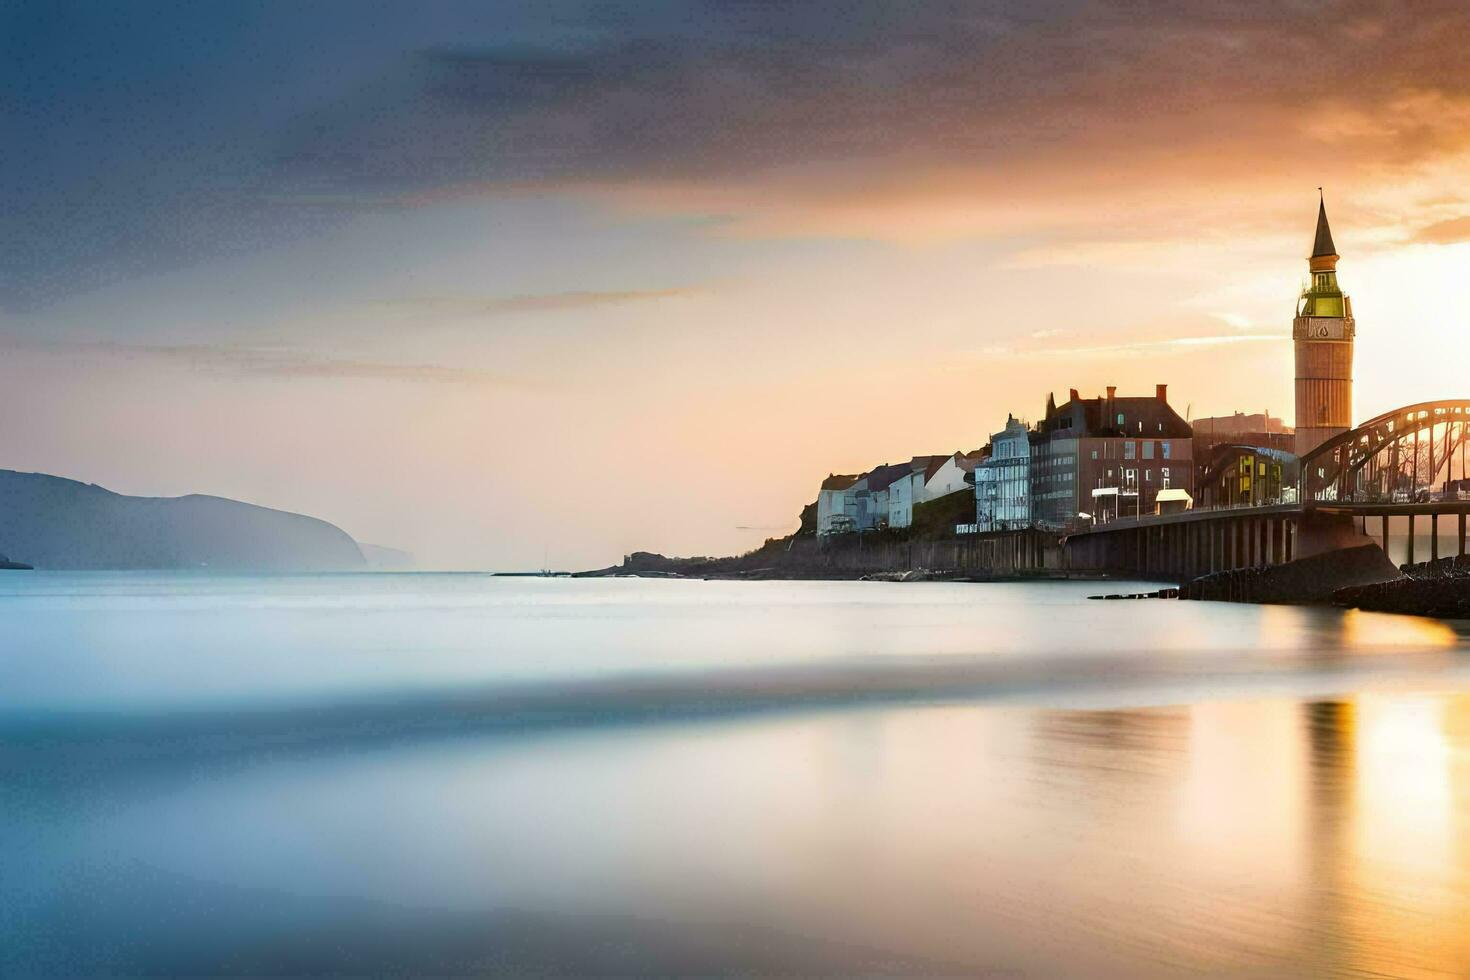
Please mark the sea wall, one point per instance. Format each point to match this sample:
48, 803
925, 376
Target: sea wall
850, 556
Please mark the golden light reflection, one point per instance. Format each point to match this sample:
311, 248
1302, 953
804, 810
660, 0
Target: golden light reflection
1363, 630
1405, 890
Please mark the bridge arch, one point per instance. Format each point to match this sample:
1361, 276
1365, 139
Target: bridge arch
1412, 454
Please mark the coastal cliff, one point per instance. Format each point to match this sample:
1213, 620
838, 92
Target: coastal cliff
55, 523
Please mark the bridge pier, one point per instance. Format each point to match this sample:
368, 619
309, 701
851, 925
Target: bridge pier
1187, 546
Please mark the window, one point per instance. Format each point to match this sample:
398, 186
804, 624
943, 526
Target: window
1165, 446
1130, 450
1120, 420
1148, 476
1148, 449
1164, 477
1094, 454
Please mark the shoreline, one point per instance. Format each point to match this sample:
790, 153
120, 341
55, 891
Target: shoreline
1353, 578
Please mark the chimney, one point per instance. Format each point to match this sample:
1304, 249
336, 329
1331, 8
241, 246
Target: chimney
1072, 393
1161, 392
1112, 392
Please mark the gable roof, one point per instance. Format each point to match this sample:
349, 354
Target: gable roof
1097, 418
936, 463
882, 477
968, 461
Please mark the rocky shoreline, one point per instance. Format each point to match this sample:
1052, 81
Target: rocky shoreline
1353, 578
1306, 581
1440, 588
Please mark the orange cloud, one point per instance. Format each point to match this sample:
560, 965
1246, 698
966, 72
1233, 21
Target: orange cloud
1445, 232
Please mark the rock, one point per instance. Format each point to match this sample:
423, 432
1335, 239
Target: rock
1438, 588
1307, 580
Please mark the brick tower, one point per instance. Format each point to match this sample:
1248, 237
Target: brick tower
1323, 331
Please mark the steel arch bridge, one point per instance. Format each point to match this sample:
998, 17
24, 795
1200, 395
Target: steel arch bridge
1414, 454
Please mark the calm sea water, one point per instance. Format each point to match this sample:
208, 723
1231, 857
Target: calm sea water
459, 774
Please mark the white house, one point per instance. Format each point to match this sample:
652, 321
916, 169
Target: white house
925, 478
946, 478
837, 505
875, 497
903, 493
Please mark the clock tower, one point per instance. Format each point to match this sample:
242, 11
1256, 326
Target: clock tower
1323, 334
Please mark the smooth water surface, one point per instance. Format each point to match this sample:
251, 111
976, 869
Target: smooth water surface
462, 774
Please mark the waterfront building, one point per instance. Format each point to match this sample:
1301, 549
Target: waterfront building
948, 476
908, 490
1108, 457
903, 493
927, 478
836, 506
1323, 333
875, 493
1003, 482
886, 495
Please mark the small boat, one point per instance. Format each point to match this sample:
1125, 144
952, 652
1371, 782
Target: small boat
7, 565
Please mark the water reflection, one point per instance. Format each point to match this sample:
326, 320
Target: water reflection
1261, 837
610, 780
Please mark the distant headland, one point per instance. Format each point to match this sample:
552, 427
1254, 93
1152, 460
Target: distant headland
50, 522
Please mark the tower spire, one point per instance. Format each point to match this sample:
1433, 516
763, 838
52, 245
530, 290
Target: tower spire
1323, 248
1323, 333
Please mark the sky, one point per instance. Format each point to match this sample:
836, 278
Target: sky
510, 283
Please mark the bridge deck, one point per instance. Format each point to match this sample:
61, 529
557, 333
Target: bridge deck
1422, 509
1189, 517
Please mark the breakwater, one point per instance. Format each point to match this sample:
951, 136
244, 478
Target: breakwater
1307, 580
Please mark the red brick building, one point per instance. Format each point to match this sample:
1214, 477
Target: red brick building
1127, 447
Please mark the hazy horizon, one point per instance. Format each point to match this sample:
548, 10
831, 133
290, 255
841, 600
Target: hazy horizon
493, 284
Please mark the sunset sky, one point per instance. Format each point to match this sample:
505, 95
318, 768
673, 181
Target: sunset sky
489, 280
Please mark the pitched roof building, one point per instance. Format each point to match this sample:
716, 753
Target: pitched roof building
1108, 456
